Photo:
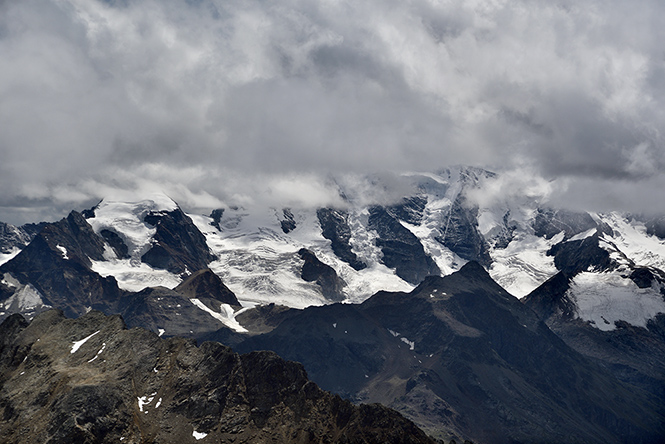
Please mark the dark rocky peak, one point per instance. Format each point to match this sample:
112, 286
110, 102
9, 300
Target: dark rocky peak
549, 300
549, 222
71, 238
472, 276
573, 257
178, 246
460, 232
117, 244
89, 213
335, 227
216, 216
91, 380
57, 263
287, 221
471, 296
313, 270
462, 357
206, 284
402, 250
634, 355
645, 277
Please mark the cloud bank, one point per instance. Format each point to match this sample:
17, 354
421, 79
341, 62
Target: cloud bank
212, 101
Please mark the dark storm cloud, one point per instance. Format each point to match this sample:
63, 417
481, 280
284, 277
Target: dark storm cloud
214, 101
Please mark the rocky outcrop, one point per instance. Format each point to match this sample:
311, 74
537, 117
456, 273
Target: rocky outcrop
313, 270
401, 249
178, 246
335, 227
460, 233
550, 299
216, 216
288, 222
117, 244
410, 209
91, 380
575, 256
206, 284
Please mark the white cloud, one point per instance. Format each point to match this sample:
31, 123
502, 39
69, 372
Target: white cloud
110, 93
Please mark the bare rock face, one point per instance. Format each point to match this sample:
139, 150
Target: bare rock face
287, 222
401, 249
572, 257
57, 264
463, 358
335, 227
179, 246
206, 284
461, 233
313, 270
90, 380
13, 237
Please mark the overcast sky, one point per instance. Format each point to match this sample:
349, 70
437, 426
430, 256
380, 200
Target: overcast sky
218, 101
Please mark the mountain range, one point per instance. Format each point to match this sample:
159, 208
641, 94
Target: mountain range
490, 319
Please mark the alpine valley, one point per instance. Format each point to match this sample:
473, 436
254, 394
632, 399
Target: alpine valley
476, 315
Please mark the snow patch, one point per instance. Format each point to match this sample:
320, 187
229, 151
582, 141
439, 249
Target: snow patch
98, 353
6, 257
63, 250
134, 275
78, 344
604, 298
226, 315
583, 235
524, 264
145, 400
198, 435
411, 344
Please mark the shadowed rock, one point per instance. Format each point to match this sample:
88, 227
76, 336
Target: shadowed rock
90, 380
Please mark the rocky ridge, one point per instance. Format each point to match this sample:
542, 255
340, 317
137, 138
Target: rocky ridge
91, 380
465, 360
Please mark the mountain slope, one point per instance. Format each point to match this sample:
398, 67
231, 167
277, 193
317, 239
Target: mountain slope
460, 354
91, 380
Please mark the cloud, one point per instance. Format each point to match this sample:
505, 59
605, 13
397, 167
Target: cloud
96, 95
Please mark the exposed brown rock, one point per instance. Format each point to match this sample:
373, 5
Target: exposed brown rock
131, 386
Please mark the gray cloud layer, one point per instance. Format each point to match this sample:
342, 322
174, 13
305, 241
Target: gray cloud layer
202, 97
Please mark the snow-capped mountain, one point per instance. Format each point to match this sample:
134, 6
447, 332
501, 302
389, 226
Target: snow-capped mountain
256, 276
442, 221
